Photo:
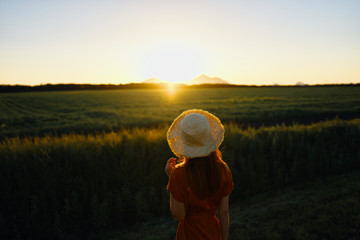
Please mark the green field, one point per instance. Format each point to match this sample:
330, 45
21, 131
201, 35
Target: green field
327, 208
59, 182
38, 113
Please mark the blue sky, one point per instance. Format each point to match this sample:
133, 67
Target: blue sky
243, 42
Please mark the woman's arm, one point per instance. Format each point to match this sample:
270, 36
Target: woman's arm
223, 212
177, 209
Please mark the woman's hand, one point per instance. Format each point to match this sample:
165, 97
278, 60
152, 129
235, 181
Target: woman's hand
170, 165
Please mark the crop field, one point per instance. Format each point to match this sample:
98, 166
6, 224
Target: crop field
39, 113
89, 164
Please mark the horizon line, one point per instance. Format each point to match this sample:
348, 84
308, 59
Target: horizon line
178, 83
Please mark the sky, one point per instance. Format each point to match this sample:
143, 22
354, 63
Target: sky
257, 42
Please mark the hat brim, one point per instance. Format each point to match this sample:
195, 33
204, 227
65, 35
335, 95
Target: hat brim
180, 148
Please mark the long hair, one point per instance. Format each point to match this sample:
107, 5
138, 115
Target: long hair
204, 174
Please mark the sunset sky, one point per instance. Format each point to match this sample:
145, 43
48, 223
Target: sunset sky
243, 42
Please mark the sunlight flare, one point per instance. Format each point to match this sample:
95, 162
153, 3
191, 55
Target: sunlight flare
172, 61
171, 89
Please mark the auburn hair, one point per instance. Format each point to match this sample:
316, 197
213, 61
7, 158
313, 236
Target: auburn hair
204, 174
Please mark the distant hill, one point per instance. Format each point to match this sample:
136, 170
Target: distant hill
204, 79
154, 80
300, 84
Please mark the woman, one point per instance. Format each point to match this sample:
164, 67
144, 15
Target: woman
202, 182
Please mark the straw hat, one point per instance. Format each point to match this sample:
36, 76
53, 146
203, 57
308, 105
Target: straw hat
195, 133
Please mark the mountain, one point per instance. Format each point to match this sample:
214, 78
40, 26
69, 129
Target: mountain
154, 80
204, 79
300, 84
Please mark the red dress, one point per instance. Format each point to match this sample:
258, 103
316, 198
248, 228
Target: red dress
200, 222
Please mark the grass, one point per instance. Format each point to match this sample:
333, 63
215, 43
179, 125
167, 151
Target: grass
41, 113
89, 164
75, 186
326, 208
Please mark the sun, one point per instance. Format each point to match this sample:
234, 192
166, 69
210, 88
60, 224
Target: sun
173, 62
